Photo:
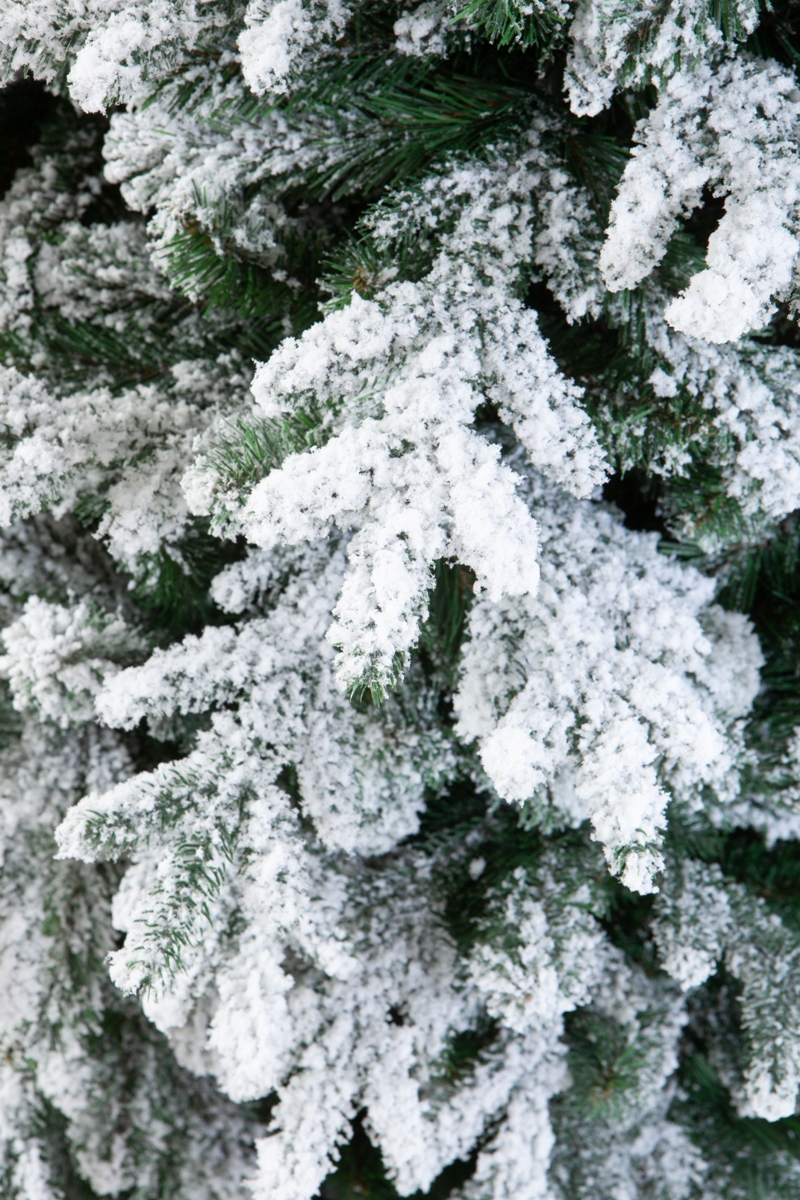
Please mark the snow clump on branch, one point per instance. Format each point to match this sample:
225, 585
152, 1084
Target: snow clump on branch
618, 685
735, 130
399, 378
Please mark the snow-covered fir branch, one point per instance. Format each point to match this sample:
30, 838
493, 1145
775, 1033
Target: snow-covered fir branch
385, 811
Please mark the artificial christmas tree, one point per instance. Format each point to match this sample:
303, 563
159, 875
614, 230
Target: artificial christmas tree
400, 585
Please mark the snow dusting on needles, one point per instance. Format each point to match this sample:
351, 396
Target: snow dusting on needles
358, 764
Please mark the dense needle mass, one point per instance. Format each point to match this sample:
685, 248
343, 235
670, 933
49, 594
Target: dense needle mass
385, 812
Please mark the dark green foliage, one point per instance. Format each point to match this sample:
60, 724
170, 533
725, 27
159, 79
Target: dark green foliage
246, 307
596, 152
50, 1126
360, 1173
762, 577
10, 723
171, 595
755, 1157
773, 874
357, 266
604, 1064
249, 451
505, 23
776, 35
626, 920
443, 631
406, 126
133, 1069
386, 118
467, 1048
469, 912
462, 824
204, 265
